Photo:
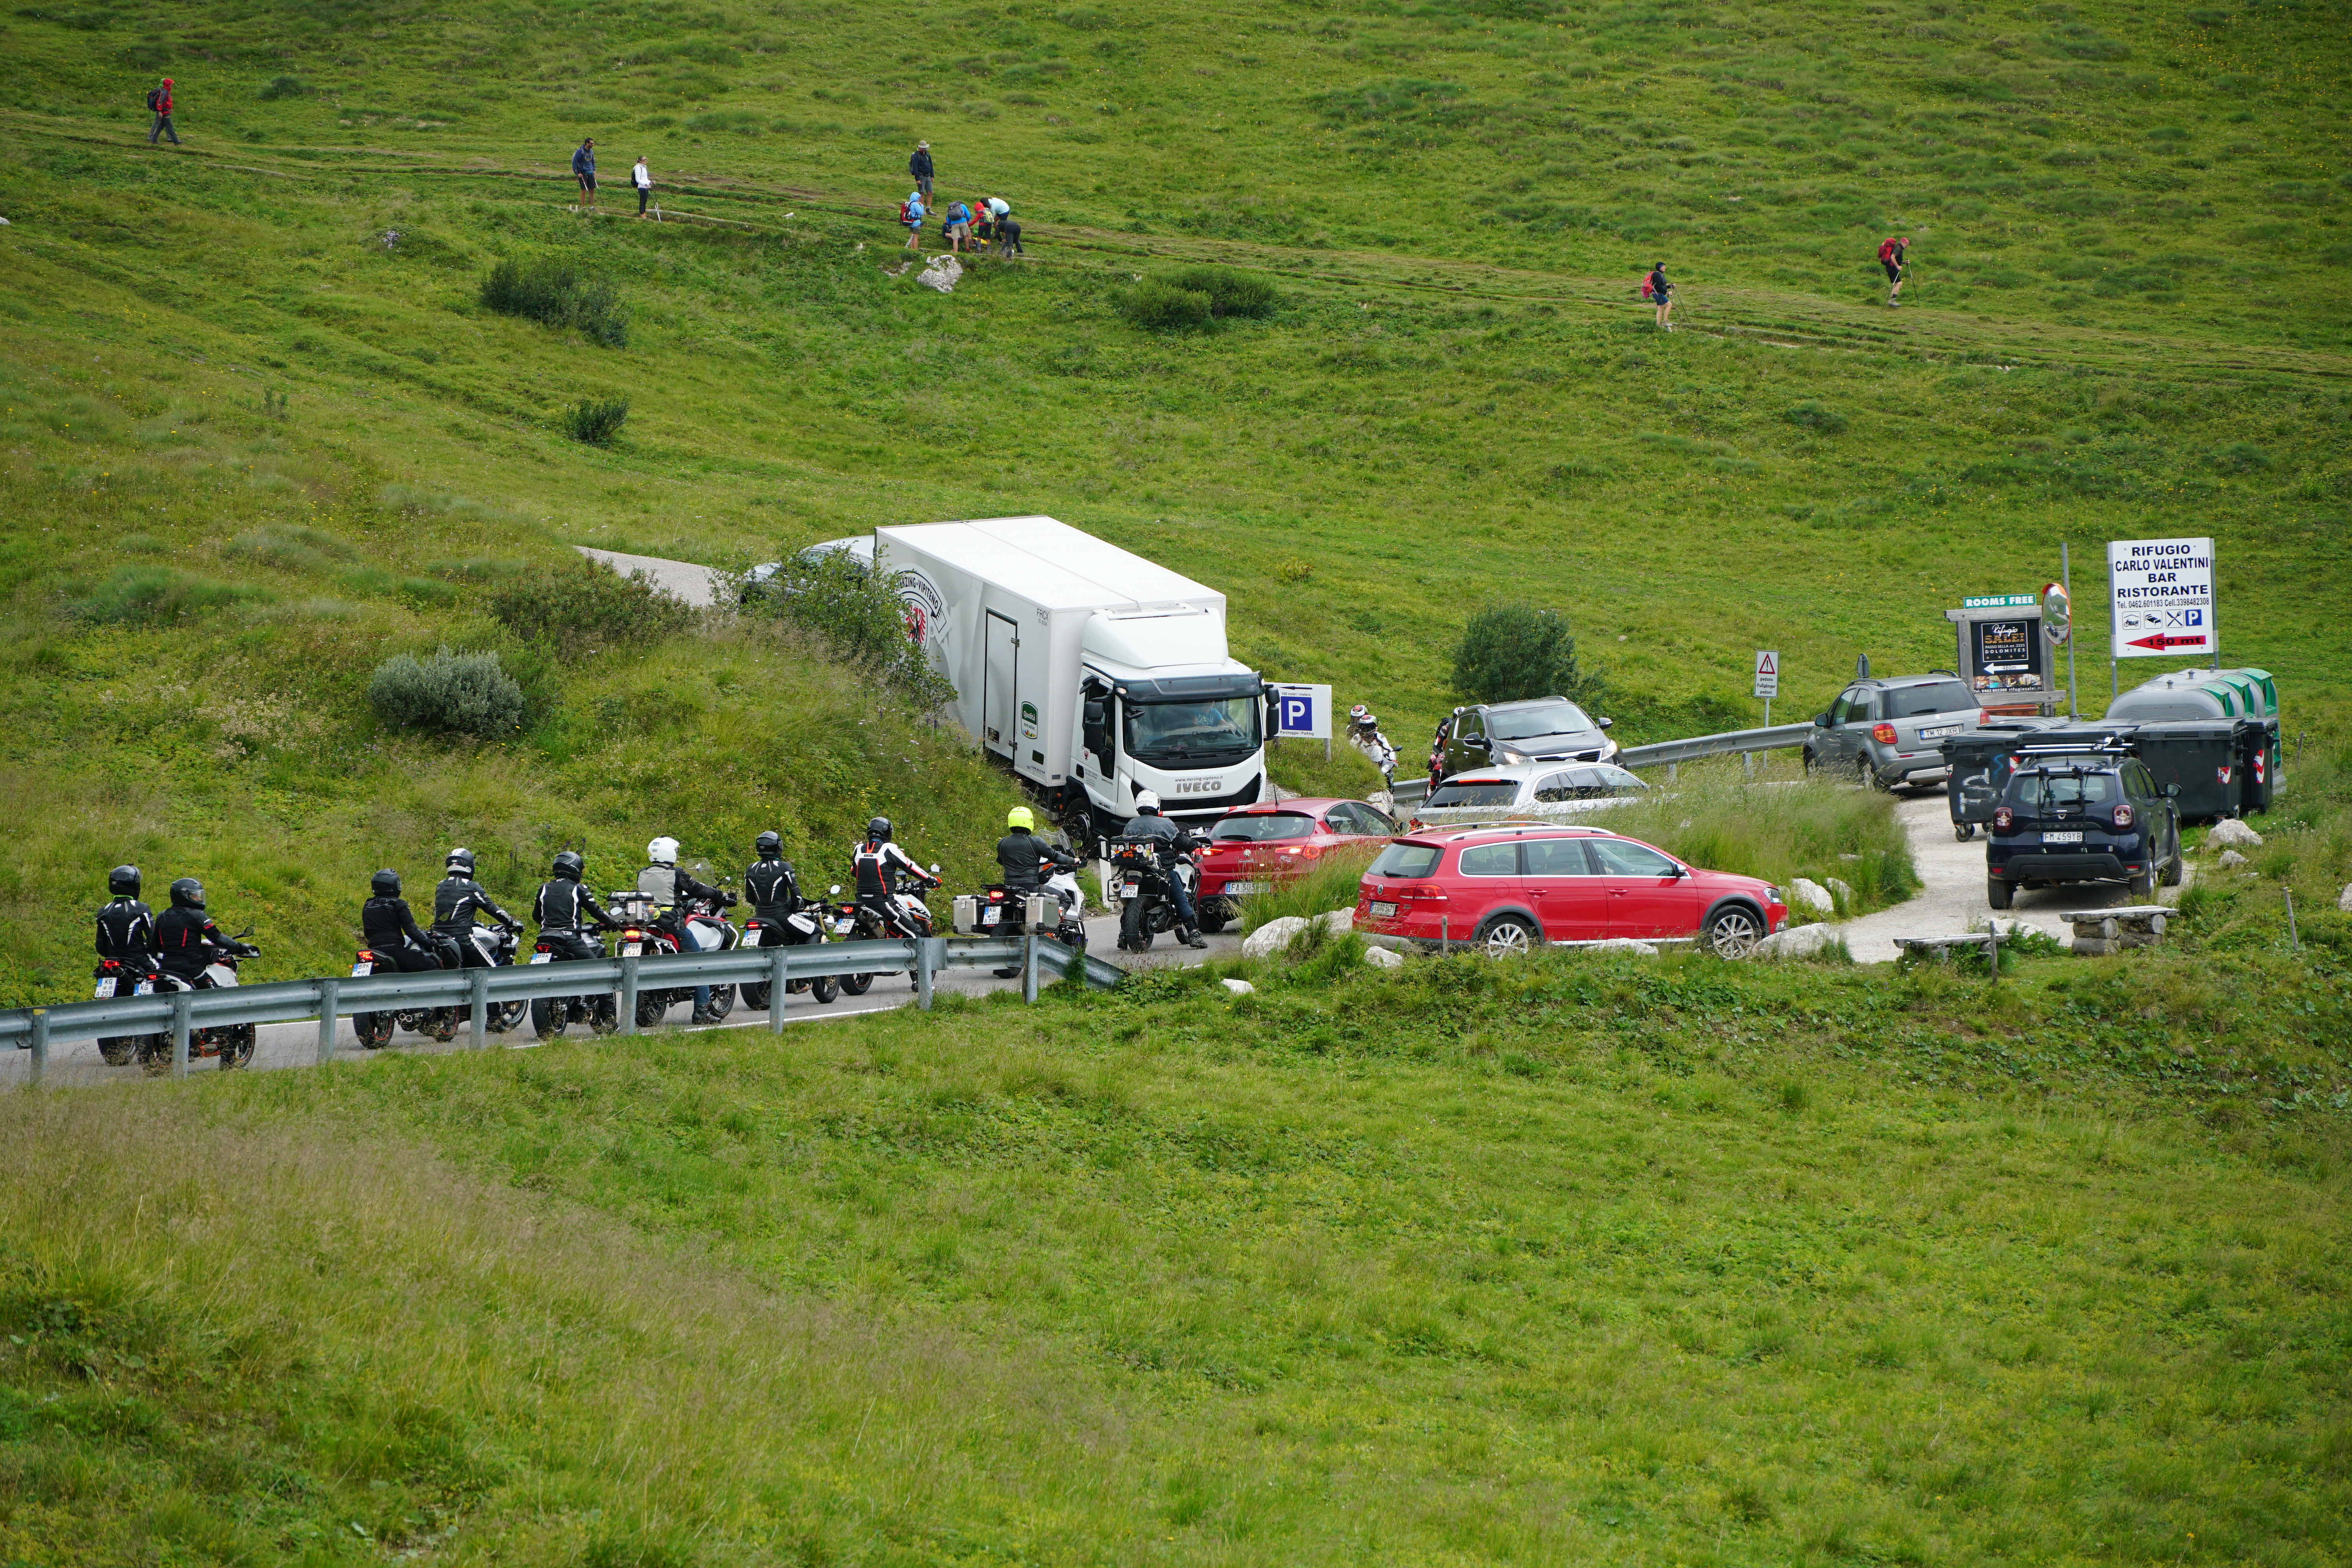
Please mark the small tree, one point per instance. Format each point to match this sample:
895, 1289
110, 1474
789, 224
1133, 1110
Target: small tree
583, 606
1512, 652
595, 421
862, 620
1161, 307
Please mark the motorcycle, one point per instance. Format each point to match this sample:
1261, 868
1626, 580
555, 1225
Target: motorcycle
841, 923
232, 1043
1146, 906
1364, 735
116, 979
903, 914
551, 1015
641, 938
799, 929
707, 926
999, 912
495, 945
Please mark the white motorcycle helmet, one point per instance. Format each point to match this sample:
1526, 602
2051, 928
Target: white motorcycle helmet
663, 851
1147, 800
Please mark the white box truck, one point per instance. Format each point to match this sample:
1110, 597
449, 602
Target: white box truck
1094, 672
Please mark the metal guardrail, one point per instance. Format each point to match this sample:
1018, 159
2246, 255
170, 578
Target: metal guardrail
1666, 753
288, 1001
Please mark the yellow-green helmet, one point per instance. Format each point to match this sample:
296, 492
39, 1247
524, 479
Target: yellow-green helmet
1019, 817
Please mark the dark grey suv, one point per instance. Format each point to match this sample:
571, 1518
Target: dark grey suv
2095, 817
1539, 730
1889, 733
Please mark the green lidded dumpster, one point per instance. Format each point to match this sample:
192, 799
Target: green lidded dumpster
2200, 756
1981, 760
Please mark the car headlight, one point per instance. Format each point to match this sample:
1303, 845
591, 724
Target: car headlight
1772, 895
1511, 756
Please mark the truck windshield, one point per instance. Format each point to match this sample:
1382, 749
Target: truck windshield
1183, 733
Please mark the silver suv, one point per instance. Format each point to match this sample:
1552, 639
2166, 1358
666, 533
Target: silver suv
1890, 732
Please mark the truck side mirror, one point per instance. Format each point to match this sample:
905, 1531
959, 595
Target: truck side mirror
1097, 725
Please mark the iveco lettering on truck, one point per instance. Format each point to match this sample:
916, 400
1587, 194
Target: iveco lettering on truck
1094, 672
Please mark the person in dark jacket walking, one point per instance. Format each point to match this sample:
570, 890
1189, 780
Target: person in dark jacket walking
919, 165
160, 102
1661, 294
584, 169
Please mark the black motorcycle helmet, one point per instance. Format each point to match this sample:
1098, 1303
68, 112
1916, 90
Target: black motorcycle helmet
460, 862
569, 866
123, 882
770, 846
385, 884
877, 831
188, 893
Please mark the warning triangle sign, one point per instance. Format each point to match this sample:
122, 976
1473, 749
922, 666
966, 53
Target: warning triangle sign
1766, 665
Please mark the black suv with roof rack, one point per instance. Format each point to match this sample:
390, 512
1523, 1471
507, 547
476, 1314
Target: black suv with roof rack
2075, 814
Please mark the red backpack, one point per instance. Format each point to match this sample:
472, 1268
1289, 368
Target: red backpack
903, 214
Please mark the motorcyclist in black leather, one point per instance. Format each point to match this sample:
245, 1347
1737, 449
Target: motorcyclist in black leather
186, 937
458, 900
126, 927
1148, 822
1026, 859
566, 911
390, 929
770, 882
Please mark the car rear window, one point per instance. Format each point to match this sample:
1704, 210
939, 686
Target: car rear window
1260, 826
2032, 789
1936, 697
1407, 861
1475, 792
1491, 860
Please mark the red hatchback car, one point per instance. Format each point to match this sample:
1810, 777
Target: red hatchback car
1512, 889
1253, 848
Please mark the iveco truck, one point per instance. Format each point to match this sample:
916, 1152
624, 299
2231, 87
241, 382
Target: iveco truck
1093, 672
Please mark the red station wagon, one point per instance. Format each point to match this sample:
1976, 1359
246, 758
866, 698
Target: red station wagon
1512, 889
1255, 847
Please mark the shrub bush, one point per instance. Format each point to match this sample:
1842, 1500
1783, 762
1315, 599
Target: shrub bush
595, 421
1230, 292
450, 693
585, 607
285, 87
1163, 307
558, 294
1812, 415
156, 595
1512, 652
861, 619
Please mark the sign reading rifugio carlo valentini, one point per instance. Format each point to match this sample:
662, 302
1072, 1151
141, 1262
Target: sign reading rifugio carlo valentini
2163, 597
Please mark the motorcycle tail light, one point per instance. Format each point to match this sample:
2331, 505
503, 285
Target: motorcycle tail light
2123, 814
2001, 818
363, 956
1883, 733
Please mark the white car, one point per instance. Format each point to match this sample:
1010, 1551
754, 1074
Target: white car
1535, 792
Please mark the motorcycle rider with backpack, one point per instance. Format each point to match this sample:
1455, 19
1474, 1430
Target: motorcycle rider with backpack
670, 887
457, 902
126, 927
186, 940
1148, 822
391, 930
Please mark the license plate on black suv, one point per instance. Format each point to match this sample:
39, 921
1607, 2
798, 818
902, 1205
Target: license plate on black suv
2062, 835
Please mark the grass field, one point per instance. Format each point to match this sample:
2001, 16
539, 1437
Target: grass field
1568, 1261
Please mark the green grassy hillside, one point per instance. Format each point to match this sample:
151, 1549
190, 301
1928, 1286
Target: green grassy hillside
1570, 1261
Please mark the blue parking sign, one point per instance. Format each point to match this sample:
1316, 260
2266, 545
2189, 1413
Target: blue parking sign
1302, 713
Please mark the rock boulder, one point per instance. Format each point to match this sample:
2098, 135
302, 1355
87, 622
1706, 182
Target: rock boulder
2233, 833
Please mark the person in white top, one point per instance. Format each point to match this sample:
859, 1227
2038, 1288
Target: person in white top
645, 180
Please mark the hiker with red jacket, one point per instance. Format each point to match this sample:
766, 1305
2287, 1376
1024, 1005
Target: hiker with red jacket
159, 103
1890, 255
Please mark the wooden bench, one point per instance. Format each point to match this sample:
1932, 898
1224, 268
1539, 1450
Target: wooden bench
1940, 947
2100, 932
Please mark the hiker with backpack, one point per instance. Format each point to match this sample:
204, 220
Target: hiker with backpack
584, 169
911, 214
1000, 226
920, 167
1661, 293
1891, 257
159, 104
643, 178
955, 225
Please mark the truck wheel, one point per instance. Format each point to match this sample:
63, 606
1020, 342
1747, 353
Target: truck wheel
1999, 894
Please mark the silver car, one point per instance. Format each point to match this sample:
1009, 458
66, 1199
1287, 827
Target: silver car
1527, 791
1889, 733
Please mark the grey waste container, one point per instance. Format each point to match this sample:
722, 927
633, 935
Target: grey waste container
1981, 760
2201, 756
2258, 764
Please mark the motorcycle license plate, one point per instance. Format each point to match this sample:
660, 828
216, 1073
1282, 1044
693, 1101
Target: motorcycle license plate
359, 970
145, 988
1130, 890
633, 949
989, 917
105, 989
1384, 911
2074, 836
1242, 890
543, 958
843, 927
